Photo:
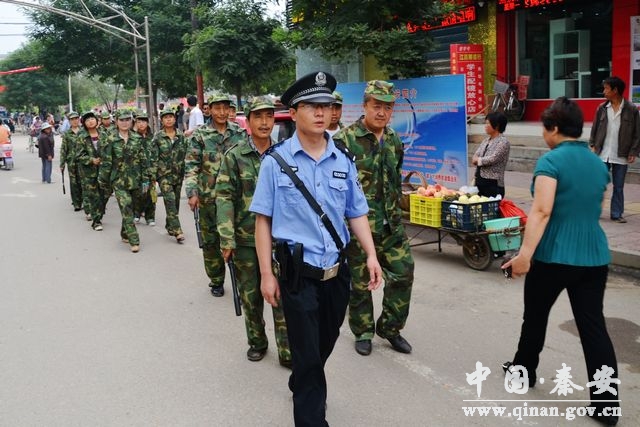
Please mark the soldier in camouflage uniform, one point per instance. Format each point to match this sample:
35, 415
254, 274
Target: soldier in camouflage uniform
207, 146
145, 206
379, 154
125, 168
236, 225
168, 149
105, 123
88, 156
68, 153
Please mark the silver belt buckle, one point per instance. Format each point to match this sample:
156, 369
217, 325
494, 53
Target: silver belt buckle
331, 272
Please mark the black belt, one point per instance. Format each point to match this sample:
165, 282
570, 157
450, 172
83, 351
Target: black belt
317, 273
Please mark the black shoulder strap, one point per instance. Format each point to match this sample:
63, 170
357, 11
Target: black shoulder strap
307, 195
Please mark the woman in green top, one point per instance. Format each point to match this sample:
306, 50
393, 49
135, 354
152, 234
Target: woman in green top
564, 247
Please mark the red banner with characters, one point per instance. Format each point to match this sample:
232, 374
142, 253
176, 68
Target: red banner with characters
468, 59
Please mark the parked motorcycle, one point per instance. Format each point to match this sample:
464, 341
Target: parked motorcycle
6, 155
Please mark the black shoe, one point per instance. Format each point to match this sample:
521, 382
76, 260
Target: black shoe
399, 344
217, 290
286, 363
608, 420
255, 354
77, 209
506, 366
363, 347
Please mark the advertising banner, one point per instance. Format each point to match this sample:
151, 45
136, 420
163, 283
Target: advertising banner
468, 59
430, 118
634, 86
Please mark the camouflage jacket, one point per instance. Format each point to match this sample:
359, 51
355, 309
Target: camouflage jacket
69, 147
235, 186
86, 153
124, 166
167, 156
202, 162
379, 171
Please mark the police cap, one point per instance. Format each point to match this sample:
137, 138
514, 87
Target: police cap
316, 87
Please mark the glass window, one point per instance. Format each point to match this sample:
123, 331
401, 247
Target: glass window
565, 48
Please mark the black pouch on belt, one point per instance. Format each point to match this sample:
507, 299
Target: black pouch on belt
297, 260
281, 259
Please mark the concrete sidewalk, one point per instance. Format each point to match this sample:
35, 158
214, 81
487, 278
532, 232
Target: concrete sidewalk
624, 239
526, 146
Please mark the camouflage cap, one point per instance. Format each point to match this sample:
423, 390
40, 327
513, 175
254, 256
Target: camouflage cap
166, 112
141, 115
338, 96
258, 103
233, 105
218, 98
380, 90
105, 115
124, 114
73, 115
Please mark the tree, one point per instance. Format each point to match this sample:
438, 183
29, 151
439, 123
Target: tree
236, 48
24, 91
375, 27
72, 46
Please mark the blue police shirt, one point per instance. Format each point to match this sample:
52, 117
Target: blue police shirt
333, 182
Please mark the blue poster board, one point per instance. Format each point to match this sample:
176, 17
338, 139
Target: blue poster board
431, 120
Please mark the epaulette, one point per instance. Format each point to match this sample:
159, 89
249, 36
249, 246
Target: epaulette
342, 147
270, 149
230, 148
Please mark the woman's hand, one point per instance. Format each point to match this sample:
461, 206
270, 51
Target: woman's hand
519, 264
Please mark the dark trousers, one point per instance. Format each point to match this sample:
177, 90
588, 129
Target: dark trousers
585, 287
314, 315
618, 173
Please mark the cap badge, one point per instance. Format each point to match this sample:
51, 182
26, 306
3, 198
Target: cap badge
321, 79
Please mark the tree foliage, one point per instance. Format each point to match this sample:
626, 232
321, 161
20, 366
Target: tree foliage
72, 46
375, 27
236, 49
41, 89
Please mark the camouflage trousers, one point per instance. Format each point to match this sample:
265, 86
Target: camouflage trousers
94, 199
394, 255
213, 261
248, 275
125, 200
171, 198
75, 186
144, 206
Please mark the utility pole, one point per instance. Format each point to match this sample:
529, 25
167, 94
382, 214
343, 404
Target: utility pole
199, 83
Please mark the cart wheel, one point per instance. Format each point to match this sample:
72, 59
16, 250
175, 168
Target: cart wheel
477, 252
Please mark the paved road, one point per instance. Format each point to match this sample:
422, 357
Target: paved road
91, 334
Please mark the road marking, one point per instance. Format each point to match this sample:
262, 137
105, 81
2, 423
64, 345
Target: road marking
24, 194
20, 180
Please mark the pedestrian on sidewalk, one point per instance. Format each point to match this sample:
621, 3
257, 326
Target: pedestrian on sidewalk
615, 137
45, 151
564, 247
492, 156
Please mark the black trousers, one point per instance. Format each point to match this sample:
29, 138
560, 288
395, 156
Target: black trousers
585, 287
314, 316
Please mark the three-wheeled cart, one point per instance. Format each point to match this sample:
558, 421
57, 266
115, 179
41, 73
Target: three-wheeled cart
474, 226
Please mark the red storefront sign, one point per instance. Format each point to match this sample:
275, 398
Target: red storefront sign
463, 16
509, 5
468, 59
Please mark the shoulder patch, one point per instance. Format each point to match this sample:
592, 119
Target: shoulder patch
272, 148
345, 150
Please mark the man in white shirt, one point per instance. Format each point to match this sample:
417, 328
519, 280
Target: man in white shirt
615, 137
196, 118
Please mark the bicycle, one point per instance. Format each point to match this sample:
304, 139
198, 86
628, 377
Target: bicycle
510, 98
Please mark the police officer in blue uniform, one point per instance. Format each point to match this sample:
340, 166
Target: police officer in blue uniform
313, 278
